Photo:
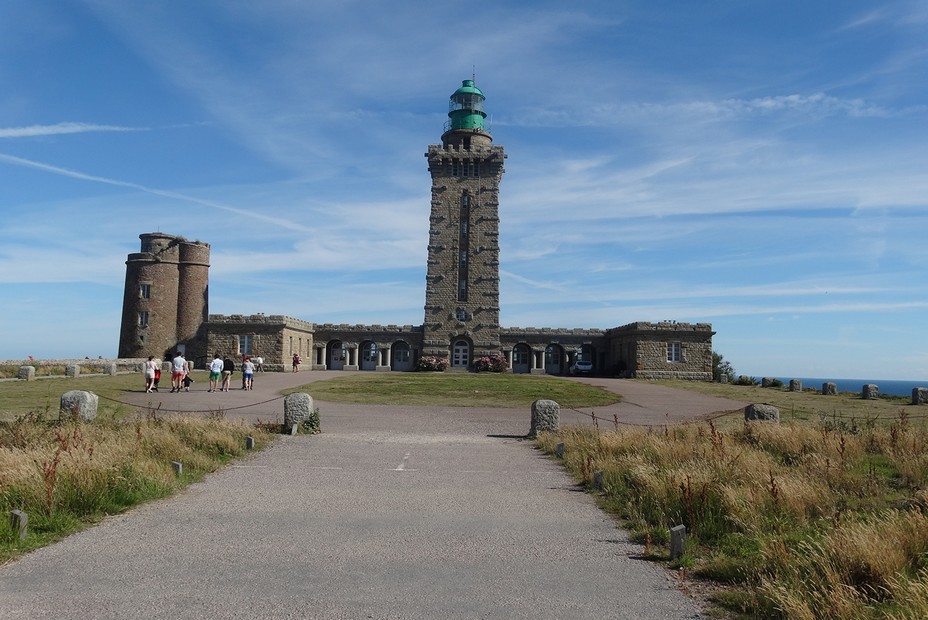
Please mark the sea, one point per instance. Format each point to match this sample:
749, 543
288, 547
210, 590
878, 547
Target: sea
894, 388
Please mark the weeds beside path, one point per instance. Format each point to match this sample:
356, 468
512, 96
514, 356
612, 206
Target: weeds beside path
68, 474
822, 516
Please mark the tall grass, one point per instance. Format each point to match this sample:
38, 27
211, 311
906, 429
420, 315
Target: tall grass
804, 520
70, 473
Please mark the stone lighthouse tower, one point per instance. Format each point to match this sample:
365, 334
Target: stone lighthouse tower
462, 281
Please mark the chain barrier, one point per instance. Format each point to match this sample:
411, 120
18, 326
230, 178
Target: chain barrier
617, 422
822, 417
149, 406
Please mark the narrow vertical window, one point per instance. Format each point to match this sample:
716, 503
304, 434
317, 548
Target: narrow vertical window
245, 344
464, 246
143, 319
145, 291
674, 352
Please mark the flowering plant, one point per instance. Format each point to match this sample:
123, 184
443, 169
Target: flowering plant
432, 363
491, 363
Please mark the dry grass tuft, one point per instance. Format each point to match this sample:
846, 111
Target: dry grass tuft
67, 473
808, 519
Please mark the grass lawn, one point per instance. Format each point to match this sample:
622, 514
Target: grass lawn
456, 389
847, 408
18, 398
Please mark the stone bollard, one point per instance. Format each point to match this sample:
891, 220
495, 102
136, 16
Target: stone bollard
546, 416
72, 370
79, 404
762, 413
26, 373
870, 391
598, 480
177, 467
298, 409
559, 450
830, 389
110, 369
249, 443
19, 521
795, 385
920, 396
766, 382
677, 542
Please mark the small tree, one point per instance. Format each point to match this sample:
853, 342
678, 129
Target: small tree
720, 367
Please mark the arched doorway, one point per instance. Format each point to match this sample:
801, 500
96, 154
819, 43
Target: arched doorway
521, 359
554, 359
335, 355
369, 355
460, 354
402, 357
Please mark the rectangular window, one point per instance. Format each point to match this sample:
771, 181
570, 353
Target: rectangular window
462, 290
245, 344
520, 357
674, 352
143, 319
401, 356
145, 291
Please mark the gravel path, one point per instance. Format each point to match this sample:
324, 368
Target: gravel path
392, 512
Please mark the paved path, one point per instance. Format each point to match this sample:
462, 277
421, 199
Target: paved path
392, 512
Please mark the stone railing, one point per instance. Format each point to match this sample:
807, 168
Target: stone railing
68, 367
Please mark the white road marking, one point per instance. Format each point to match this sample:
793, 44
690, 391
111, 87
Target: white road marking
402, 466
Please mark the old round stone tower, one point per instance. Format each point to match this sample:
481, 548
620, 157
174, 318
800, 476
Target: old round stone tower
166, 298
462, 279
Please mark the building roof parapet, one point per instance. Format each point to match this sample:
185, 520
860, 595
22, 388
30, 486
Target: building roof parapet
558, 331
668, 326
260, 319
344, 327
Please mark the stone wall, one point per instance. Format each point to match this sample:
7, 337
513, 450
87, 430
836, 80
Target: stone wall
88, 366
274, 337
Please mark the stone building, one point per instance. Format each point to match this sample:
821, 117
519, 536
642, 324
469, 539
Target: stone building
462, 302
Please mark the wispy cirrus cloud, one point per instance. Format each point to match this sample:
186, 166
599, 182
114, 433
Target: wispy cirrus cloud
60, 129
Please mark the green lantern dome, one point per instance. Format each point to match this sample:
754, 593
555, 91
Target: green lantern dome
466, 108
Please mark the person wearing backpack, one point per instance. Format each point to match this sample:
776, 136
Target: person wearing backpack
228, 367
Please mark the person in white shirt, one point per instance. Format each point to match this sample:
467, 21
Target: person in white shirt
150, 366
215, 373
248, 372
178, 364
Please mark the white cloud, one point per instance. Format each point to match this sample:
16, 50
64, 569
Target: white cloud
60, 129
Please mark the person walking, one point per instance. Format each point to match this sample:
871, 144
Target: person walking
157, 380
177, 372
215, 372
228, 367
259, 364
248, 374
187, 378
296, 362
150, 367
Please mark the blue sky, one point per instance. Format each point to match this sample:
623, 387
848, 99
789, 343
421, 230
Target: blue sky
762, 166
